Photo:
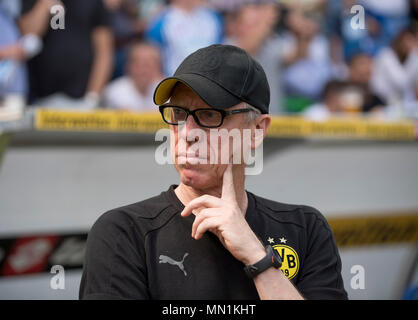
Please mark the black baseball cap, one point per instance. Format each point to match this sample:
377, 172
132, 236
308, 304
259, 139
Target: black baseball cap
223, 76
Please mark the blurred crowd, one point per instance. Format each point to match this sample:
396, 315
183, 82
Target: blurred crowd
322, 57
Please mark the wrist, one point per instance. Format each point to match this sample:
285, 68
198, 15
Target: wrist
271, 259
256, 255
31, 45
91, 100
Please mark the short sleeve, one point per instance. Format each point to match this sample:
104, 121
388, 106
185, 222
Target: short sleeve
321, 273
101, 15
114, 265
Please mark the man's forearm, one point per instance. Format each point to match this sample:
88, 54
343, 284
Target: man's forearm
103, 59
36, 21
273, 285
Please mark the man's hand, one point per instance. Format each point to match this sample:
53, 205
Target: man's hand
223, 217
13, 51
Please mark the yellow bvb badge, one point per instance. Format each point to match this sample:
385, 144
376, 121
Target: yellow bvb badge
290, 260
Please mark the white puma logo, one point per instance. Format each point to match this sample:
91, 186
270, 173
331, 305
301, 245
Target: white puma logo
166, 259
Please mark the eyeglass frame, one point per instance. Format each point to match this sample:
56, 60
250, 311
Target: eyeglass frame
223, 113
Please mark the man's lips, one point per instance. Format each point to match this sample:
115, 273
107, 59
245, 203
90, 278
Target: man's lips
190, 156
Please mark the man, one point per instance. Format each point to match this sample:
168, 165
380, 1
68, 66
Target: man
251, 27
305, 50
395, 72
181, 28
135, 90
209, 238
76, 60
360, 76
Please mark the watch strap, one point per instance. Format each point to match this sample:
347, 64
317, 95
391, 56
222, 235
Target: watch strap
272, 259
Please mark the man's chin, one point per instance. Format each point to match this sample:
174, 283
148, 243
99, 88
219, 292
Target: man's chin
194, 176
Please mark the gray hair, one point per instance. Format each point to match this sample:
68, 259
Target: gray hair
253, 114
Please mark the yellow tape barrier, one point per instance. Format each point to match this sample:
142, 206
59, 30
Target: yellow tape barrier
371, 230
103, 120
281, 126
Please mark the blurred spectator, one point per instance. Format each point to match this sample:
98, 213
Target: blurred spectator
360, 74
135, 91
330, 102
149, 8
341, 98
126, 26
182, 28
304, 4
76, 61
392, 16
306, 55
395, 76
13, 50
251, 27
231, 6
347, 39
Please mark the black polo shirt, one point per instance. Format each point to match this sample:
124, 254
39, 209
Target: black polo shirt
145, 251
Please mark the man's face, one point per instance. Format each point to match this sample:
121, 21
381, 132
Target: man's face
185, 150
361, 69
144, 63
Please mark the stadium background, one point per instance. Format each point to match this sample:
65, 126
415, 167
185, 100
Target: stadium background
69, 155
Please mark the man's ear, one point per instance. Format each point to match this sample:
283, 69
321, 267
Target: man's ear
261, 125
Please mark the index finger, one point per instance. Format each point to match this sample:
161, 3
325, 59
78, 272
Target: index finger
205, 201
228, 188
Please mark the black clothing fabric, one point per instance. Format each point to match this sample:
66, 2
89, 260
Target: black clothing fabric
65, 62
145, 251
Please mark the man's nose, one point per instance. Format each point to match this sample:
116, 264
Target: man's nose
185, 130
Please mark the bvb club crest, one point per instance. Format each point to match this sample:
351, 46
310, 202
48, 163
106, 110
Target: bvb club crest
290, 259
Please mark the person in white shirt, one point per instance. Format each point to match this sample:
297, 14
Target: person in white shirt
181, 28
305, 56
330, 103
134, 91
395, 76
